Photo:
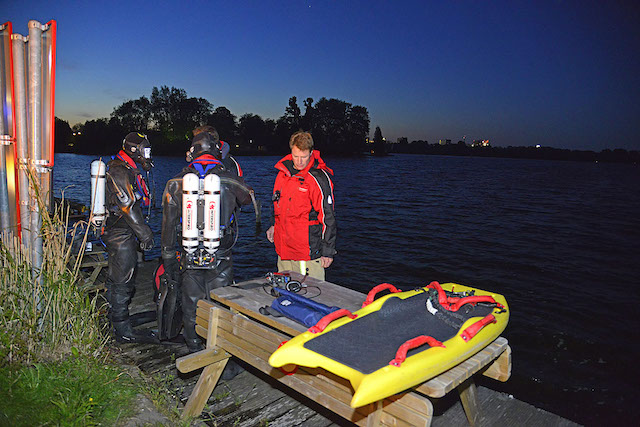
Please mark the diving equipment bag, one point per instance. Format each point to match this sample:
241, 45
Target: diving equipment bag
168, 299
298, 308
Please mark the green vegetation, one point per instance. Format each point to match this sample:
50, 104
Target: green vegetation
52, 338
75, 391
168, 116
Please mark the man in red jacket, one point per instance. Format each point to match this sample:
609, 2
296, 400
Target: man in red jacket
305, 225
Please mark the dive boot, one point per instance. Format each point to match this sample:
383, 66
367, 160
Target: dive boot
231, 370
194, 344
126, 334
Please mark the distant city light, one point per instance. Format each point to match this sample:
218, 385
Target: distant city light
538, 146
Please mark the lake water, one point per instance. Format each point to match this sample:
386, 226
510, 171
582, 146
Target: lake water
560, 240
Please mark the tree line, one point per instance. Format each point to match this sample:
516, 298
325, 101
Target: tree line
168, 117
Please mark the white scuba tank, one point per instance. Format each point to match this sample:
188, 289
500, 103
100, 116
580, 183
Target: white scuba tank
211, 232
190, 189
98, 184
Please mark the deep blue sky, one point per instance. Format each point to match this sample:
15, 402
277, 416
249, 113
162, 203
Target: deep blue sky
558, 73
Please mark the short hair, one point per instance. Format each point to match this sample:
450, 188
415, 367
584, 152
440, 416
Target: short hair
302, 140
207, 128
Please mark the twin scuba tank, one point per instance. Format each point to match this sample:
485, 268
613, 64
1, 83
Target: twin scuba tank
201, 230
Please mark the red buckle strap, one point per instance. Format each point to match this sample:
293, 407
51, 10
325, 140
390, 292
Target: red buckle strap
401, 354
324, 322
472, 330
372, 293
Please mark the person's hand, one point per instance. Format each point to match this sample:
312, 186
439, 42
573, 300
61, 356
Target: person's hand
325, 261
270, 232
147, 245
171, 268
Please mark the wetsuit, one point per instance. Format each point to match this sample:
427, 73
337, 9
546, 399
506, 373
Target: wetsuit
196, 283
305, 223
126, 193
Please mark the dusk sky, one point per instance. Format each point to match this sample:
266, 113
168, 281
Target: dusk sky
564, 74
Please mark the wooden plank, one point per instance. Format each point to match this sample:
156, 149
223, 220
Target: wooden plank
447, 381
500, 369
203, 389
200, 359
402, 407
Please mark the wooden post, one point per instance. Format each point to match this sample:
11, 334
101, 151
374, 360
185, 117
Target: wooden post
469, 400
373, 420
211, 372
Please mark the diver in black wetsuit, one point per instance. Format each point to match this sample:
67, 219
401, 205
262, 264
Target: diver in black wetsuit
198, 279
125, 231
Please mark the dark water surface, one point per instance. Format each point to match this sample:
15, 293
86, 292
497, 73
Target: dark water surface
561, 241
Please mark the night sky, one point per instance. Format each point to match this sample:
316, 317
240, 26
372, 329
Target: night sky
564, 74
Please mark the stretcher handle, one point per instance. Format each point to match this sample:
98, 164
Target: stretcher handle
372, 293
472, 330
401, 354
324, 322
456, 303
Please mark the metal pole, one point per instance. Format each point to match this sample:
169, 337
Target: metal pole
35, 135
5, 125
22, 143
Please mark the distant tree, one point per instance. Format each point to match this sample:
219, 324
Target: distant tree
134, 115
253, 131
225, 124
379, 148
330, 125
358, 127
175, 115
63, 136
306, 122
102, 136
292, 114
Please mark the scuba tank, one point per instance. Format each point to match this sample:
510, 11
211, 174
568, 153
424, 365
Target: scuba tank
98, 185
200, 219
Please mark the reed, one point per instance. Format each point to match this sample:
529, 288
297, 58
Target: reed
44, 314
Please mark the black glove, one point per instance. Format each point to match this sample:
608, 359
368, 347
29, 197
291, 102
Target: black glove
147, 244
171, 268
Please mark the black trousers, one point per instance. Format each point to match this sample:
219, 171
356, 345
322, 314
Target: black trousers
122, 248
196, 285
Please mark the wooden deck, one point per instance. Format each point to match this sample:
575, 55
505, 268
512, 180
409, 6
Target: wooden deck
254, 398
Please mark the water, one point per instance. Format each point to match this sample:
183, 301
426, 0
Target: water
561, 241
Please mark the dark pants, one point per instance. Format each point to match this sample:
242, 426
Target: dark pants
196, 285
123, 258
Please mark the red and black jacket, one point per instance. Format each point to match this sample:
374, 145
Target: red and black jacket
303, 207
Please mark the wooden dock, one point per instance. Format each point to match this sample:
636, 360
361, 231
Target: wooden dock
255, 399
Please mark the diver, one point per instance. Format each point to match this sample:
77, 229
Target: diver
125, 231
198, 208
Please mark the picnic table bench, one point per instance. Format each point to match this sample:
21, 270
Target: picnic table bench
233, 325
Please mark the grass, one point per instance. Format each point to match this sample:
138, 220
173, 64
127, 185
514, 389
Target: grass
74, 391
52, 337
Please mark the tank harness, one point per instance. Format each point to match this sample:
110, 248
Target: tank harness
201, 227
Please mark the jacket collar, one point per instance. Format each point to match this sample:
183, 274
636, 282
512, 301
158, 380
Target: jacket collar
285, 165
122, 155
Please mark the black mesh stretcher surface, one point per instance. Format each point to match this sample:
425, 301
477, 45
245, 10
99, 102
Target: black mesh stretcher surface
370, 342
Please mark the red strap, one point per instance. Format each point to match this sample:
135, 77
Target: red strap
324, 322
372, 293
401, 354
472, 330
456, 303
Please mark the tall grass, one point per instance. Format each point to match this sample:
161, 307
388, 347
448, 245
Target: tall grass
44, 314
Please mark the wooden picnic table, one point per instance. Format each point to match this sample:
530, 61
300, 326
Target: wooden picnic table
233, 325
